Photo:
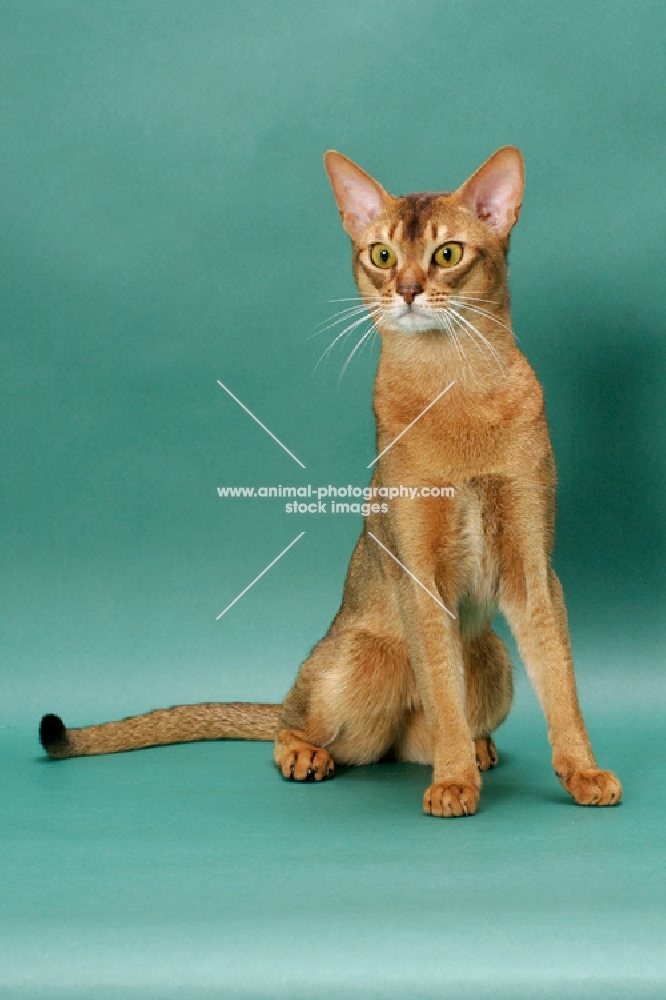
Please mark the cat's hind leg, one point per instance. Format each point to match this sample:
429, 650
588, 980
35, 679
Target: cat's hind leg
414, 745
488, 692
303, 729
300, 760
347, 705
488, 695
486, 753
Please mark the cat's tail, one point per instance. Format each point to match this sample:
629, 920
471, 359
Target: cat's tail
181, 724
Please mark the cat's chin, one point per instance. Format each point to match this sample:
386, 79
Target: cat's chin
413, 322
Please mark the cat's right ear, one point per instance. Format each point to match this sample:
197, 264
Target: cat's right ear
360, 198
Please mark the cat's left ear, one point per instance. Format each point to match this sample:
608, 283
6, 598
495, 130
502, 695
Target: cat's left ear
360, 198
495, 192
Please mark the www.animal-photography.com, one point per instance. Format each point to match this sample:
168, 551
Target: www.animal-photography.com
334, 376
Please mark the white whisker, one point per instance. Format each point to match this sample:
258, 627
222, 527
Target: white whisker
369, 316
480, 312
351, 355
373, 335
476, 298
450, 328
478, 333
454, 336
343, 312
465, 330
351, 298
346, 315
373, 332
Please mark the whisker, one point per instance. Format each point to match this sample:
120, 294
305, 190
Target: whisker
374, 331
350, 298
339, 317
448, 324
352, 326
478, 333
478, 346
343, 312
480, 312
454, 336
373, 335
347, 314
483, 340
476, 298
350, 356
464, 329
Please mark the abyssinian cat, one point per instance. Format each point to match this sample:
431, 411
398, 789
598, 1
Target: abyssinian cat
411, 665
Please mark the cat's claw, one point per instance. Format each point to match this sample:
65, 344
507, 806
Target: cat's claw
591, 786
450, 799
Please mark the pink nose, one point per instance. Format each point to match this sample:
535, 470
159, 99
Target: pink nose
409, 292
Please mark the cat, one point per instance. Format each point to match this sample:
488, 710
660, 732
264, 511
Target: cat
411, 666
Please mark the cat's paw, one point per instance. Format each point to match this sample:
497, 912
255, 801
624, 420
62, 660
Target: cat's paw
591, 786
450, 798
299, 760
486, 754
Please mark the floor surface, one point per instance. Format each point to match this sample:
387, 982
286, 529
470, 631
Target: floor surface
195, 871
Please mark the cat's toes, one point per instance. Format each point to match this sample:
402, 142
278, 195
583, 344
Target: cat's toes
592, 786
451, 799
298, 760
486, 754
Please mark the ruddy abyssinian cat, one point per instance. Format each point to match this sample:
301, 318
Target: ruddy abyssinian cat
397, 673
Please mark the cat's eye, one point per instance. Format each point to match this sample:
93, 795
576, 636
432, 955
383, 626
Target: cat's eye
448, 255
382, 256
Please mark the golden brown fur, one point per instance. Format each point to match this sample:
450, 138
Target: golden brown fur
180, 724
395, 673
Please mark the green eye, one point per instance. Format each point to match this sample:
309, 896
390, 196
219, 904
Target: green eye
448, 254
382, 256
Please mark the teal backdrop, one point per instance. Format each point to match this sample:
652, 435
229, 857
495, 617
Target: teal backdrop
165, 223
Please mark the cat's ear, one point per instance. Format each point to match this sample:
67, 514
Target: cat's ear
360, 198
495, 192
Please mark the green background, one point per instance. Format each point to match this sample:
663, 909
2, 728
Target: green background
166, 222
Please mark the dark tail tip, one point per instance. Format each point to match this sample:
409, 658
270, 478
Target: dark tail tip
51, 730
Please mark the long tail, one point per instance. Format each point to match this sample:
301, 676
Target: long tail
180, 724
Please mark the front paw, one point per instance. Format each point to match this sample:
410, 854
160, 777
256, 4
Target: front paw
451, 798
591, 786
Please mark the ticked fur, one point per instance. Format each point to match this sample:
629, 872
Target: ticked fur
396, 674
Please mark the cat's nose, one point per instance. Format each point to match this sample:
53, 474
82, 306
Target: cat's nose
409, 292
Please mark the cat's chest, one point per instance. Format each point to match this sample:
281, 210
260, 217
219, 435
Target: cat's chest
437, 452
458, 441
429, 427
465, 537
473, 538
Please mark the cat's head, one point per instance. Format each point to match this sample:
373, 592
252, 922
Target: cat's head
416, 256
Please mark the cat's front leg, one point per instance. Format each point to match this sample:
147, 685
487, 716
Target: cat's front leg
437, 657
535, 610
